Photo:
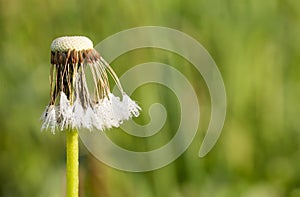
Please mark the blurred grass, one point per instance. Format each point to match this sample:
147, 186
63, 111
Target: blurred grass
256, 45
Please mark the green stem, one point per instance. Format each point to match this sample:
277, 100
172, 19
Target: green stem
72, 163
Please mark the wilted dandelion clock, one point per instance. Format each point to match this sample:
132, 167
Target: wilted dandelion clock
72, 104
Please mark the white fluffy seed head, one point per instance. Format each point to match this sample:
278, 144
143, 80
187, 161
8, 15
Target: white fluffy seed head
71, 42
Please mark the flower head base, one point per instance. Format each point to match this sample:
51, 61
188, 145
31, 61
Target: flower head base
71, 104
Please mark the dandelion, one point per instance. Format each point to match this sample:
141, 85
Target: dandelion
73, 105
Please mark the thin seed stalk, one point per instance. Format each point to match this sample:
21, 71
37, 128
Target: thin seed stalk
72, 163
72, 153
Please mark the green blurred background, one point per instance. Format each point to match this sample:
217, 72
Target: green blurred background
256, 45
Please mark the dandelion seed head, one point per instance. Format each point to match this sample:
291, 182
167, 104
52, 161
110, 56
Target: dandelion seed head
72, 104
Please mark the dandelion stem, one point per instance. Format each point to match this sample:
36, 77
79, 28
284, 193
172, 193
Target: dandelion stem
72, 163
